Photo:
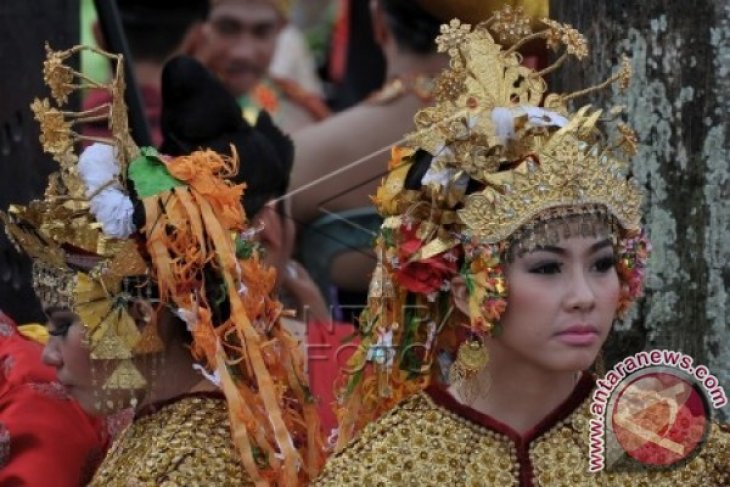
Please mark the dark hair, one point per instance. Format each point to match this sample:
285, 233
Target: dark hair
199, 113
414, 29
266, 163
155, 28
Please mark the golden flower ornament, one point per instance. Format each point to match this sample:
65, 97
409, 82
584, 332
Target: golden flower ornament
511, 24
57, 76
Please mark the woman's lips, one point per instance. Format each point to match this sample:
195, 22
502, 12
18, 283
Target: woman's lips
578, 335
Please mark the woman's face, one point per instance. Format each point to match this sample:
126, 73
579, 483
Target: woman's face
561, 304
68, 352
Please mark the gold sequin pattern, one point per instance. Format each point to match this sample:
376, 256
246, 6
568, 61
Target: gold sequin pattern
184, 443
419, 443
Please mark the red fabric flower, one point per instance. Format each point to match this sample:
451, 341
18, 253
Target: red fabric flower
422, 276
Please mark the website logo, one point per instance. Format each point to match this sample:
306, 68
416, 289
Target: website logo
652, 410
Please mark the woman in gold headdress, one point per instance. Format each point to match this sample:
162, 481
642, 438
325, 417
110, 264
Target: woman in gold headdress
511, 242
158, 300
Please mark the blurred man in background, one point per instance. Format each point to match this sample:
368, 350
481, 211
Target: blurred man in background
238, 44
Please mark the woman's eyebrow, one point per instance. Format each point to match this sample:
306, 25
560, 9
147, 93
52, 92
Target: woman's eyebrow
600, 245
550, 248
561, 251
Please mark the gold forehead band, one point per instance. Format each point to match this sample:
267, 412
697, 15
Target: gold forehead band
54, 286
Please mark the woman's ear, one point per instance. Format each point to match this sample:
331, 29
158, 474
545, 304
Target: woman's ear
460, 294
141, 312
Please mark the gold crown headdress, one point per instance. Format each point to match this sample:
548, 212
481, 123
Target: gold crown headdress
190, 254
488, 165
495, 123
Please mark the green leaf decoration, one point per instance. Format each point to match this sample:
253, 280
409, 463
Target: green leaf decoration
244, 248
150, 175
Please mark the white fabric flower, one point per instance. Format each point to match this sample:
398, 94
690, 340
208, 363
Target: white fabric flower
98, 168
113, 209
443, 175
504, 124
540, 117
439, 177
504, 120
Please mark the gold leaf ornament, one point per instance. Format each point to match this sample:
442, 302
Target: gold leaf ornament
103, 311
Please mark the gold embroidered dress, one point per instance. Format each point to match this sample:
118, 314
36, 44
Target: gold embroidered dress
183, 442
432, 440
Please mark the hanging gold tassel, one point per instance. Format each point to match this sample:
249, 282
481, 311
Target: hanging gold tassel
125, 377
110, 347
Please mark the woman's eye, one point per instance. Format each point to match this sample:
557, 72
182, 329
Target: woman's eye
59, 328
605, 264
546, 268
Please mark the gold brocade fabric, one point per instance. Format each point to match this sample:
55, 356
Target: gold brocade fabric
420, 443
185, 443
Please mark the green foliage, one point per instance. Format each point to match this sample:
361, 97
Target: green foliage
150, 175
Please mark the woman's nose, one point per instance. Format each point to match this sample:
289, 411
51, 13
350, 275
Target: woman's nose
580, 293
51, 354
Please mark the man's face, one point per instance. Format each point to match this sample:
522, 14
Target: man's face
239, 42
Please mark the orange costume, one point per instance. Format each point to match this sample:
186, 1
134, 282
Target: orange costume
273, 93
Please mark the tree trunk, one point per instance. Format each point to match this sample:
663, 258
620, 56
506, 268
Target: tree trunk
678, 104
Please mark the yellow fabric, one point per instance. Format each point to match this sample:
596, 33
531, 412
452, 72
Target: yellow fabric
34, 331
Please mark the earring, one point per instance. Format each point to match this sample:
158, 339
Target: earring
471, 359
